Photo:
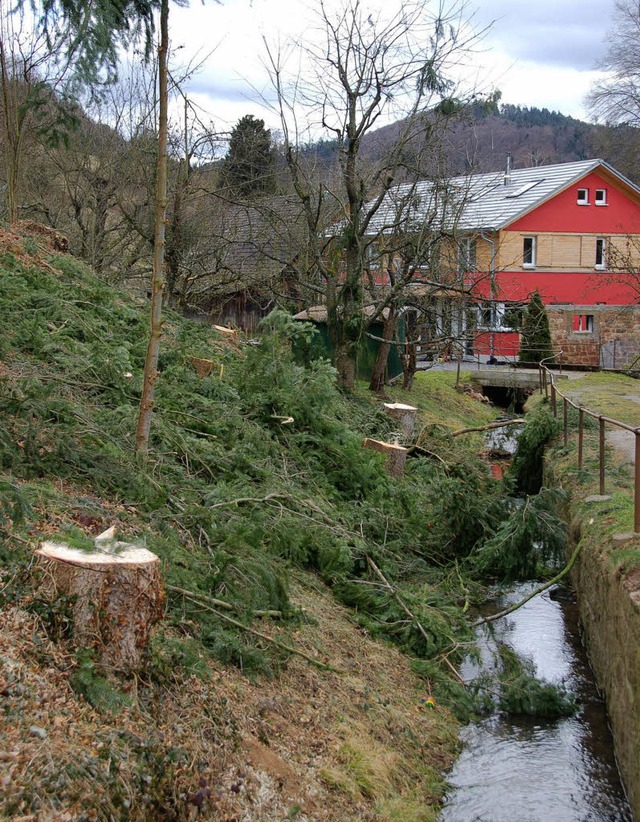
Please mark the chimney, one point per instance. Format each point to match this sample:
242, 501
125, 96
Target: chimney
507, 174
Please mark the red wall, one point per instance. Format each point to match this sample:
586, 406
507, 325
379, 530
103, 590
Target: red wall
562, 213
505, 344
566, 287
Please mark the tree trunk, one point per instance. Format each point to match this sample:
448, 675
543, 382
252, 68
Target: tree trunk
118, 597
379, 372
395, 455
406, 415
346, 365
409, 365
157, 285
12, 135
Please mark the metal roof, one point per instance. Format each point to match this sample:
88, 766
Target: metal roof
480, 202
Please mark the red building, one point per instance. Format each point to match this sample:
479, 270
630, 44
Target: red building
571, 232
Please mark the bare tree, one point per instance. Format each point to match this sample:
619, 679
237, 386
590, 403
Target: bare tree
371, 68
616, 98
31, 110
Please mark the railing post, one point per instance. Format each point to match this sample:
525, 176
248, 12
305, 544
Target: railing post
565, 416
601, 420
580, 435
553, 399
636, 505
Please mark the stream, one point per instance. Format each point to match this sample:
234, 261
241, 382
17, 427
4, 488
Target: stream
523, 768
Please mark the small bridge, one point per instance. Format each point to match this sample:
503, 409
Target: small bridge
507, 386
506, 377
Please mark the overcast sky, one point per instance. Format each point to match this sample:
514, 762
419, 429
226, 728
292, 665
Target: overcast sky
537, 52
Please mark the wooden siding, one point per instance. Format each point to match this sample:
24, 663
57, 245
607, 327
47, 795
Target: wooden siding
557, 252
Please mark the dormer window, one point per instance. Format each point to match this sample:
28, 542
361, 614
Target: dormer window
601, 196
583, 196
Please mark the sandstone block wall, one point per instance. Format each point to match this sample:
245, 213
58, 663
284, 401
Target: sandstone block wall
610, 615
613, 342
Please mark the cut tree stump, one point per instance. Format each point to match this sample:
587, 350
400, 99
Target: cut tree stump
396, 455
119, 596
406, 416
203, 367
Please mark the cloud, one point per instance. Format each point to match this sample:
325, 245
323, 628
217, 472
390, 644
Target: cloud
562, 33
538, 52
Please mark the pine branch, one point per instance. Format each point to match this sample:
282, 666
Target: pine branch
242, 500
288, 648
219, 603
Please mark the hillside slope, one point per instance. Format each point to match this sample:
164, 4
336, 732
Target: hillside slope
242, 509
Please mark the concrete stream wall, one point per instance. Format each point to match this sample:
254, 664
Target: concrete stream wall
609, 606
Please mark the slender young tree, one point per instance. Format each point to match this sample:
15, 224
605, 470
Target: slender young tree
92, 31
158, 280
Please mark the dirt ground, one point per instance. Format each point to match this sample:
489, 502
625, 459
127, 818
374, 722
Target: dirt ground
357, 743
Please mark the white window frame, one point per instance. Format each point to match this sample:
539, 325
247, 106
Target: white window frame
603, 197
373, 257
494, 312
467, 250
583, 196
601, 253
531, 263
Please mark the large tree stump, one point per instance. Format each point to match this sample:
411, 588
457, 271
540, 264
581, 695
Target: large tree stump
406, 416
396, 455
119, 596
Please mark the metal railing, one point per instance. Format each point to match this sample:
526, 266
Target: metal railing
548, 387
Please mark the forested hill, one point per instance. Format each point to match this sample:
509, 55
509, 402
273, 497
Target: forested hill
485, 134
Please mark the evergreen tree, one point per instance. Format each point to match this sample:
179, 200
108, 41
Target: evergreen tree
535, 336
248, 167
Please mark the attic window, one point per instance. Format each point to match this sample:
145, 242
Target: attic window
522, 190
601, 196
583, 196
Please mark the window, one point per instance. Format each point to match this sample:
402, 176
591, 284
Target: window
522, 190
372, 256
489, 314
582, 323
499, 316
601, 196
529, 252
583, 196
601, 252
467, 254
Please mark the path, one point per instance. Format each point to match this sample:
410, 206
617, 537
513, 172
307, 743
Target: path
622, 404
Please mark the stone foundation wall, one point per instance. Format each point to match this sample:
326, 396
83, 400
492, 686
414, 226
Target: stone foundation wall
610, 615
611, 337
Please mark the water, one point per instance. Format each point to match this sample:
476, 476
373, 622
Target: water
530, 769
503, 441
